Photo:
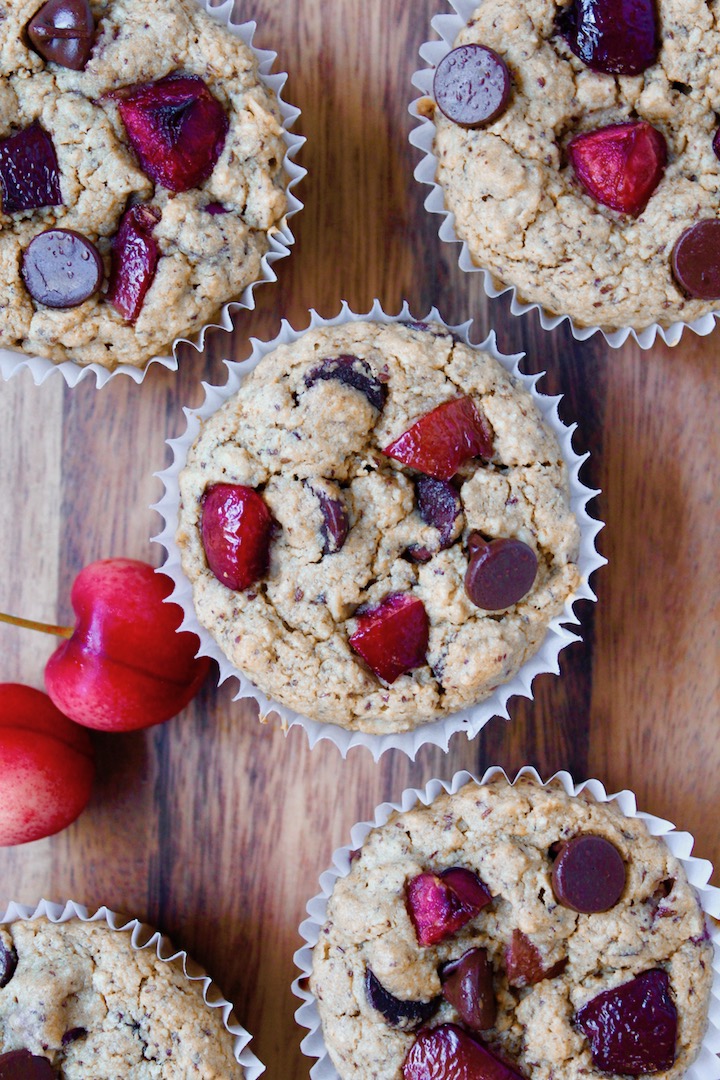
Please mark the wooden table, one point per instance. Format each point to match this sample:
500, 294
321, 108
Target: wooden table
215, 828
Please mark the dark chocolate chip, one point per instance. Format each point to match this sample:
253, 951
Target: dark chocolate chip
63, 32
467, 983
22, 1065
439, 505
500, 572
524, 963
696, 260
29, 172
472, 85
8, 964
589, 874
406, 1015
61, 268
352, 371
72, 1035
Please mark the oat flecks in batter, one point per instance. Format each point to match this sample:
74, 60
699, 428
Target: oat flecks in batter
206, 259
514, 196
100, 1010
504, 834
289, 633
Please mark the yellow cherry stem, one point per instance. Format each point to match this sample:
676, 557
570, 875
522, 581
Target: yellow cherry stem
45, 628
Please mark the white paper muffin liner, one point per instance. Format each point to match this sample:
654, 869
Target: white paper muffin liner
438, 732
280, 240
448, 27
705, 1067
144, 937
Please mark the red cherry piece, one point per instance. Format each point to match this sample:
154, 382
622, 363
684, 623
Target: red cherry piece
351, 371
467, 983
125, 666
472, 85
441, 441
439, 905
29, 171
615, 36
633, 1028
524, 964
500, 572
696, 260
405, 1015
46, 763
393, 637
621, 165
61, 268
449, 1053
589, 874
236, 532
135, 256
22, 1065
176, 127
63, 32
439, 505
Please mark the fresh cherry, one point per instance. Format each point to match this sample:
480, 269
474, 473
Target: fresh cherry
22, 1065
351, 371
61, 268
472, 85
406, 1015
441, 904
236, 529
500, 572
615, 36
135, 256
442, 440
393, 637
588, 874
176, 127
620, 166
632, 1029
29, 171
47, 769
695, 260
524, 964
467, 983
449, 1053
63, 32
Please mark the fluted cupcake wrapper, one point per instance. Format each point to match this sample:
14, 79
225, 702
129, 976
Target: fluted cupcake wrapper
705, 1067
423, 136
438, 732
280, 240
144, 937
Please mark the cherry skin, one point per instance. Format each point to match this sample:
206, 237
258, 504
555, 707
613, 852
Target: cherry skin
46, 764
125, 666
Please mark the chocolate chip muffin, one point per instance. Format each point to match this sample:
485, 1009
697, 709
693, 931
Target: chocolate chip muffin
513, 931
587, 177
78, 1001
141, 176
377, 525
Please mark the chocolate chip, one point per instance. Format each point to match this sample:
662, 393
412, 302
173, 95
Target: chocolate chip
8, 963
467, 983
696, 260
61, 268
352, 371
63, 32
405, 1015
22, 1065
439, 505
472, 85
589, 874
499, 573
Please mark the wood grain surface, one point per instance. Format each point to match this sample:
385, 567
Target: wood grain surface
215, 828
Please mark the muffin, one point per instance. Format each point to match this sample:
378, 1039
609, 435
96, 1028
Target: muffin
517, 930
82, 999
141, 174
581, 190
377, 525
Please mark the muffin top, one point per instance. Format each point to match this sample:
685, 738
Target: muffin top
383, 465
164, 151
508, 857
514, 184
78, 994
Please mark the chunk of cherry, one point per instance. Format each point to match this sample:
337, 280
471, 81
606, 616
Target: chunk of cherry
444, 439
236, 529
405, 1015
449, 1053
176, 127
351, 371
441, 904
467, 983
63, 32
588, 875
632, 1029
392, 638
500, 572
614, 36
524, 965
620, 166
29, 171
135, 255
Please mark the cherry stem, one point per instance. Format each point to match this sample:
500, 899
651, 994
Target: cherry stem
45, 628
